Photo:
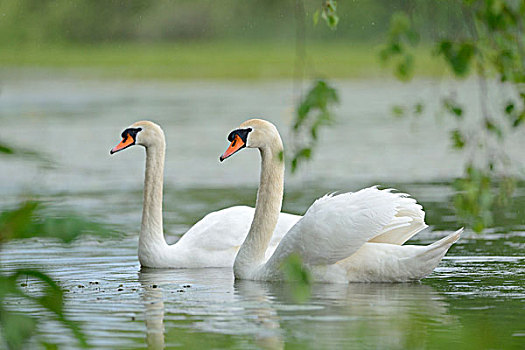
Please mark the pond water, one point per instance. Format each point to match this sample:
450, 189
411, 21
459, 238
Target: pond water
474, 299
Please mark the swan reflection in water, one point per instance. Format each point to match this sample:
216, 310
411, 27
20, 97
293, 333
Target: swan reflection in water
209, 301
153, 299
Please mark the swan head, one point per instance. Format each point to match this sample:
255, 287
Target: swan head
144, 133
253, 133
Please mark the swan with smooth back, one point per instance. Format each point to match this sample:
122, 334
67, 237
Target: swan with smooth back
211, 242
348, 237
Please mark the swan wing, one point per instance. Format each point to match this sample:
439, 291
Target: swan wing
226, 229
409, 220
284, 224
337, 226
219, 230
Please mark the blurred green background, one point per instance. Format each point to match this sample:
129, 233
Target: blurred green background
209, 39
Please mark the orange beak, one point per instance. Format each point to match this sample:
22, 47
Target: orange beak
125, 143
236, 145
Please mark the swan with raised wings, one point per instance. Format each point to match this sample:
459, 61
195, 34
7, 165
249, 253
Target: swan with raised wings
211, 242
349, 237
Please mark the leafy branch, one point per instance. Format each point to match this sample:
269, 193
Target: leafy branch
26, 221
314, 111
492, 47
402, 37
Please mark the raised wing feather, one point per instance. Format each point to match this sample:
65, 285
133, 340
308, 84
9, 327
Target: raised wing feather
336, 226
412, 217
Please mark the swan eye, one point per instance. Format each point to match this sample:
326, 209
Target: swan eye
242, 133
131, 132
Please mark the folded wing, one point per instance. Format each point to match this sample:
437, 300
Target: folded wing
336, 226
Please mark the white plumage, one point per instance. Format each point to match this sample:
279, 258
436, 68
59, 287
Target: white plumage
211, 242
349, 237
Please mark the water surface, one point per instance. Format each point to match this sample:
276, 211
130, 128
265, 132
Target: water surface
474, 299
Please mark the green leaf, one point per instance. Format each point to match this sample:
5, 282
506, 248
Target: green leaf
305, 153
475, 197
519, 119
514, 117
405, 67
294, 165
26, 153
314, 110
401, 36
16, 328
418, 108
13, 223
298, 276
399, 24
452, 107
329, 14
509, 108
493, 128
52, 299
29, 220
316, 17
398, 111
49, 346
458, 140
6, 149
458, 55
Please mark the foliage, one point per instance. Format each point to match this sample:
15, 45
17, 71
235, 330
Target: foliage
23, 153
328, 14
6, 149
314, 111
28, 221
491, 45
402, 37
16, 327
477, 194
298, 276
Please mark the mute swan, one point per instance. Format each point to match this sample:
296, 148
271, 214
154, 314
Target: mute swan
211, 242
349, 237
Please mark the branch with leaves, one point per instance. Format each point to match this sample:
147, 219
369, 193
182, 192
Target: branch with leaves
315, 109
492, 48
28, 220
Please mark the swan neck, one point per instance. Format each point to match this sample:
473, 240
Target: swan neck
151, 231
267, 210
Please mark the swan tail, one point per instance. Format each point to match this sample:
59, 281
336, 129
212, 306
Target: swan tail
439, 248
432, 254
383, 262
447, 241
